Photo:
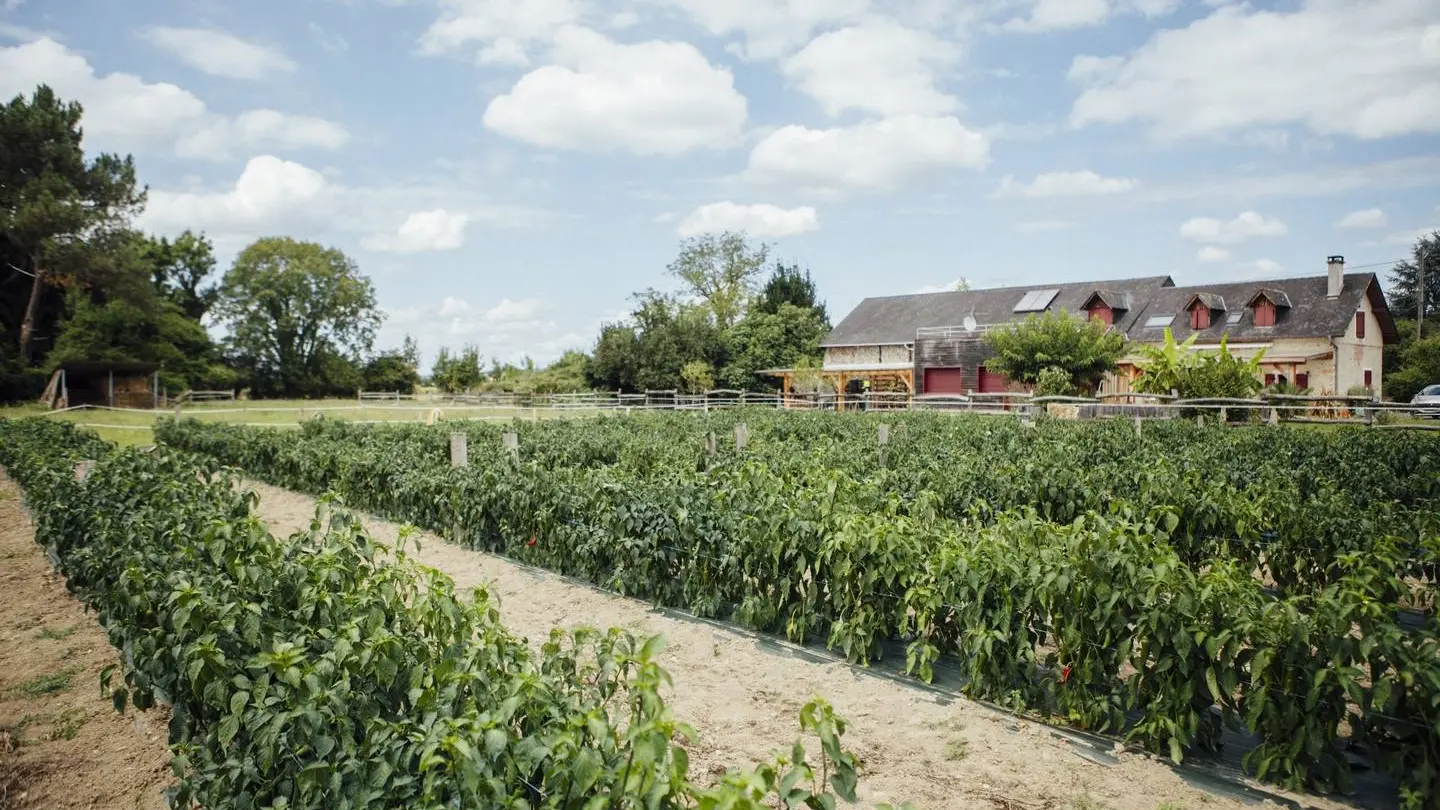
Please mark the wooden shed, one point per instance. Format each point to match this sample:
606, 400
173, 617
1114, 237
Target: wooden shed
117, 384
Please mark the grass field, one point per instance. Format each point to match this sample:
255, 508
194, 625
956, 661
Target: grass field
130, 427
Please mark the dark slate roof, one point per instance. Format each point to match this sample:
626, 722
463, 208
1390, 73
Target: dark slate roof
1310, 314
894, 319
1212, 301
1277, 297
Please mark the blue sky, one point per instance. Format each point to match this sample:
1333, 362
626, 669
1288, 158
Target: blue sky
510, 171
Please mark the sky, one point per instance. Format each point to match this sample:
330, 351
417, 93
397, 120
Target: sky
510, 172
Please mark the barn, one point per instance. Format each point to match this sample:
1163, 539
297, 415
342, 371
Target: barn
116, 384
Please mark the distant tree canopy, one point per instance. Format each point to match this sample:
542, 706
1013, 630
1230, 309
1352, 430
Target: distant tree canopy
300, 317
721, 270
59, 213
788, 285
1404, 280
1085, 350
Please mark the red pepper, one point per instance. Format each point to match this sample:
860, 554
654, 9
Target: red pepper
532, 541
1065, 673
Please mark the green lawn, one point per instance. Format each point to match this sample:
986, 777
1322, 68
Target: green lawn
133, 428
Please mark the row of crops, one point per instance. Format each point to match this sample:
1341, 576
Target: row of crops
328, 670
1164, 586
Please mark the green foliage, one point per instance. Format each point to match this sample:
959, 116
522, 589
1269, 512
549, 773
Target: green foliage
179, 270
330, 670
47, 684
767, 340
59, 211
120, 331
300, 315
788, 285
721, 270
458, 374
650, 352
1119, 594
1404, 280
1196, 374
697, 376
1419, 366
565, 376
1054, 381
1085, 349
391, 371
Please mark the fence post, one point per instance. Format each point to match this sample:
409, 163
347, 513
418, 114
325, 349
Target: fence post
1137, 427
1274, 416
1224, 414
459, 450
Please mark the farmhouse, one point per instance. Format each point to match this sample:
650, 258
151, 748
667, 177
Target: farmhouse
1325, 332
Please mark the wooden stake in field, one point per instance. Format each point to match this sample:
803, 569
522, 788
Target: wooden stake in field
884, 444
459, 450
742, 436
510, 440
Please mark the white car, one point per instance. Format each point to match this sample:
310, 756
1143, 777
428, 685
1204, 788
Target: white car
1427, 402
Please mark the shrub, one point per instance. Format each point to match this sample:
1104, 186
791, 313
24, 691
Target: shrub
1054, 381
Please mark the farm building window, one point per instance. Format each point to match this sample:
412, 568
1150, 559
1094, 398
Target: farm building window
1102, 314
1360, 325
1157, 321
1369, 377
1234, 318
1269, 380
1302, 380
1264, 313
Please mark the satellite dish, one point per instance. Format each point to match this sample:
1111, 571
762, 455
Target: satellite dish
969, 323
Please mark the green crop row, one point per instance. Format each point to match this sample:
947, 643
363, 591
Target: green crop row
1100, 618
329, 670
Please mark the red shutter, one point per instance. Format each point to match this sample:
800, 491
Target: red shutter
1302, 380
1102, 314
1200, 317
1360, 327
1369, 375
1265, 313
1269, 379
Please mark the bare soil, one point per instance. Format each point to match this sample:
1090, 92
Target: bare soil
62, 744
743, 699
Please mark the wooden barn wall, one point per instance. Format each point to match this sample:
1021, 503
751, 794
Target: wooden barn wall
968, 354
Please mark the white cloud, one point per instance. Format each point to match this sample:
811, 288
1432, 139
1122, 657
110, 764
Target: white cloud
270, 191
1410, 237
509, 312
878, 67
219, 53
257, 129
1245, 226
453, 306
127, 114
1044, 226
422, 231
760, 219
1368, 218
771, 27
871, 156
1211, 253
505, 30
1065, 184
1059, 15
649, 98
279, 196
939, 288
1268, 266
1365, 70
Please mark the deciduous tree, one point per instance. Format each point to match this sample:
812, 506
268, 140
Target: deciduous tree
297, 312
720, 270
1087, 350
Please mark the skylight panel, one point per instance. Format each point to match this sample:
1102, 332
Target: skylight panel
1157, 321
1234, 317
1036, 300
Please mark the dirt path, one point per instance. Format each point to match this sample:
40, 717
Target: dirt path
744, 702
62, 744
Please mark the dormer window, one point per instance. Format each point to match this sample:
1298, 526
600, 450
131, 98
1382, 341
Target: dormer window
1104, 306
1267, 304
1201, 307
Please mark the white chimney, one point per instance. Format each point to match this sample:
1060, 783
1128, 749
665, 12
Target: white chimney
1337, 276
